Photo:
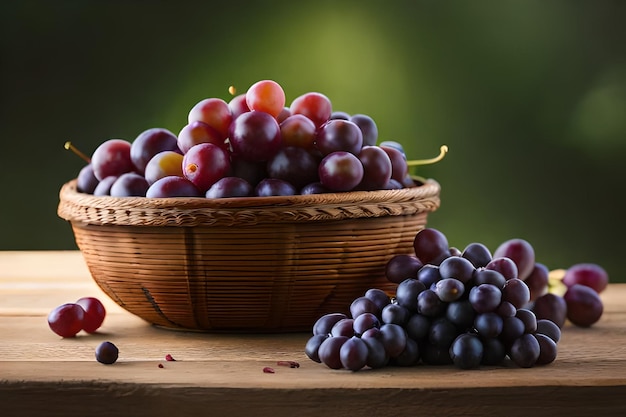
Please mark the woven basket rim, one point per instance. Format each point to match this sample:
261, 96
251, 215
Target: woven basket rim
75, 206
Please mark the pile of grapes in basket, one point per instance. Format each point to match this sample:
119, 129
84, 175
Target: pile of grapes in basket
469, 308
254, 145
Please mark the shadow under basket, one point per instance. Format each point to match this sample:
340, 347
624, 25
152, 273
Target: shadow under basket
256, 264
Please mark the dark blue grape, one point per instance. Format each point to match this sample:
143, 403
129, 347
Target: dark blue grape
528, 318
489, 276
429, 304
458, 268
461, 313
401, 267
442, 333
394, 339
516, 292
488, 325
418, 326
525, 351
107, 353
449, 289
428, 275
377, 356
407, 292
512, 329
409, 356
478, 254
466, 351
485, 298
379, 297
494, 352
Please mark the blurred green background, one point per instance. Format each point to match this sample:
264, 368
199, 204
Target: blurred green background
529, 95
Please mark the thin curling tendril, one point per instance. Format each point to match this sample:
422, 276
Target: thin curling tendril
443, 150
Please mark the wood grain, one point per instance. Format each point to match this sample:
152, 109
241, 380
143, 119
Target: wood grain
221, 374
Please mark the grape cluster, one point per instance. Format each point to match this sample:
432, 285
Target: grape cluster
468, 308
253, 145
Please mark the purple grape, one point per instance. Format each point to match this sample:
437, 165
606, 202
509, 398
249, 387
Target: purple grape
551, 307
314, 188
344, 327
340, 171
294, 165
584, 306
429, 304
494, 352
396, 314
228, 187
365, 322
329, 351
149, 143
172, 186
339, 135
104, 186
417, 327
362, 305
129, 184
485, 298
254, 136
376, 355
516, 292
478, 254
512, 329
431, 246
86, 181
324, 324
528, 318
204, 164
407, 293
519, 251
274, 187
376, 168
442, 333
112, 159
489, 276
590, 275
537, 281
393, 338
461, 313
378, 296
457, 268
525, 351
368, 128
353, 354
312, 347
449, 289
547, 349
429, 274
107, 353
505, 266
409, 356
488, 325
549, 328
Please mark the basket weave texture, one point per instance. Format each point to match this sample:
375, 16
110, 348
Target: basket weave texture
257, 264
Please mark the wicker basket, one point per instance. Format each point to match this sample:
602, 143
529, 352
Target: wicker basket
259, 264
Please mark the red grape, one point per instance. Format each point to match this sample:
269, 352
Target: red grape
214, 112
149, 143
399, 167
94, 313
340, 171
519, 251
112, 158
368, 128
584, 306
266, 96
537, 281
315, 106
255, 136
66, 320
506, 266
199, 132
431, 246
591, 275
204, 164
298, 130
238, 105
172, 186
376, 168
339, 135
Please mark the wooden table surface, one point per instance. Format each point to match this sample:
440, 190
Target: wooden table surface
221, 374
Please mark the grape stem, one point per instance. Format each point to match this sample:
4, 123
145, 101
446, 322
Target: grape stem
68, 145
442, 153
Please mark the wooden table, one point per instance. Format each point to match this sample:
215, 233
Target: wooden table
221, 374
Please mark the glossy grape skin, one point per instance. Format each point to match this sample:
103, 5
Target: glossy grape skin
537, 281
112, 159
528, 318
549, 329
329, 351
269, 187
401, 267
365, 322
519, 251
488, 325
298, 130
86, 181
449, 289
339, 135
312, 346
325, 323
362, 305
466, 351
399, 167
164, 164
396, 314
104, 186
551, 307
506, 309
107, 353
315, 106
376, 168
584, 306
150, 142
266, 96
172, 186
516, 292
344, 327
215, 112
525, 351
485, 298
407, 293
339, 115
376, 356
314, 188
283, 115
66, 320
590, 275
255, 136
429, 274
458, 268
368, 128
378, 297
294, 165
547, 350
489, 276
129, 184
506, 266
199, 132
340, 171
238, 105
94, 313
393, 337
353, 354
429, 304
431, 246
228, 187
478, 254
394, 144
204, 164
